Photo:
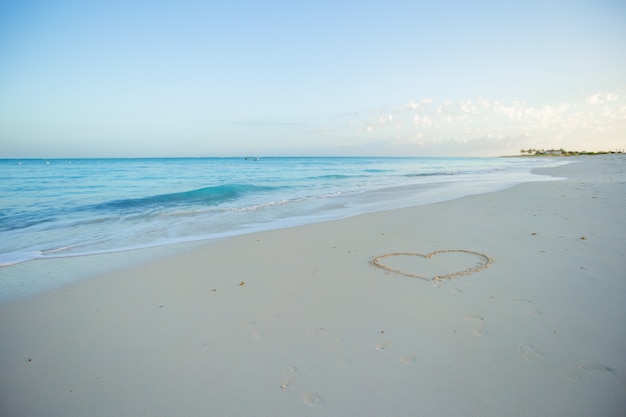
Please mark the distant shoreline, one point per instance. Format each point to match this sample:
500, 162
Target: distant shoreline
563, 152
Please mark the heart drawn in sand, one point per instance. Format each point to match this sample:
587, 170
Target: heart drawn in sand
479, 260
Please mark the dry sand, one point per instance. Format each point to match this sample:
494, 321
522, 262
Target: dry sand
299, 322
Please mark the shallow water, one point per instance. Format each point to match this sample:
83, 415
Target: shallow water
62, 208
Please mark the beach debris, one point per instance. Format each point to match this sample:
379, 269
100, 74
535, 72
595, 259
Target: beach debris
311, 398
382, 346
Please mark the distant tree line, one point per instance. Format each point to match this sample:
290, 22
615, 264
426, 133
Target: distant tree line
563, 152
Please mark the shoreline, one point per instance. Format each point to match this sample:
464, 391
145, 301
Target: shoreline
298, 321
41, 269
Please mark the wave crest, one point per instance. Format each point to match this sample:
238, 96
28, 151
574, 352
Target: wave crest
202, 196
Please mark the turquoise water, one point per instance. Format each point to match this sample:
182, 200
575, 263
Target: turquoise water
73, 207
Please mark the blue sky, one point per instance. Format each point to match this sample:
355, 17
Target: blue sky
187, 78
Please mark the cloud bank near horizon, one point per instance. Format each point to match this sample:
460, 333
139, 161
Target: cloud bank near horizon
429, 127
596, 122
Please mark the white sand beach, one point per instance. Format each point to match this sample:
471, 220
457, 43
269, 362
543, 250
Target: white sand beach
527, 318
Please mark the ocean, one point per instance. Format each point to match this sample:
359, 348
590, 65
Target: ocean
68, 208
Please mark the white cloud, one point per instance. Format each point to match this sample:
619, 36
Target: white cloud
602, 98
594, 99
561, 124
467, 107
424, 121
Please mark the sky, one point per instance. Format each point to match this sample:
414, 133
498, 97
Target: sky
260, 78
